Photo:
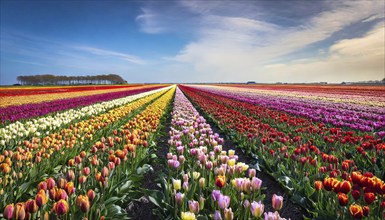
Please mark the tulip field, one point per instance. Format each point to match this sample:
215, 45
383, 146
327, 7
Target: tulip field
90, 152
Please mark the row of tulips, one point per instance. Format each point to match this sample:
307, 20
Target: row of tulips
97, 182
205, 181
271, 126
354, 116
33, 90
56, 120
24, 111
37, 98
41, 156
361, 95
295, 161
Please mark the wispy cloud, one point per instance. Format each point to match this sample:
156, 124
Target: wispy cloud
149, 22
109, 53
238, 42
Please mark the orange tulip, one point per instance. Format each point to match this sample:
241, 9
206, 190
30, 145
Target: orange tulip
83, 203
70, 188
329, 183
356, 177
19, 211
41, 198
318, 185
356, 211
5, 167
343, 199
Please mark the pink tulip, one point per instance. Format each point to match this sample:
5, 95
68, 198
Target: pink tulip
223, 201
193, 206
277, 202
257, 209
256, 183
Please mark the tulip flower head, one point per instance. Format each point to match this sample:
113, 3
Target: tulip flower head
61, 207
215, 195
91, 195
277, 202
257, 209
217, 215
369, 197
343, 199
187, 216
228, 213
256, 183
83, 203
31, 206
220, 181
272, 216
356, 211
41, 198
223, 201
8, 211
179, 198
177, 184
318, 185
20, 211
193, 206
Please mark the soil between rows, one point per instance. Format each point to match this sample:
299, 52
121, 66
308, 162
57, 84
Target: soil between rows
143, 209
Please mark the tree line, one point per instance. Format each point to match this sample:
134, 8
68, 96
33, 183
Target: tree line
48, 79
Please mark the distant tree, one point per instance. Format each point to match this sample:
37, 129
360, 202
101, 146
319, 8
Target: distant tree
49, 79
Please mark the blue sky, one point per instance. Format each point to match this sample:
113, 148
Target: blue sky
195, 41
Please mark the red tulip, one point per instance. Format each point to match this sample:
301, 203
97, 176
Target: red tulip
356, 177
356, 194
50, 183
366, 210
345, 187
86, 171
343, 199
220, 181
369, 197
61, 207
91, 195
42, 185
31, 206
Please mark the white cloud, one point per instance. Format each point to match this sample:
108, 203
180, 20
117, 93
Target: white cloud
236, 48
355, 59
108, 53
